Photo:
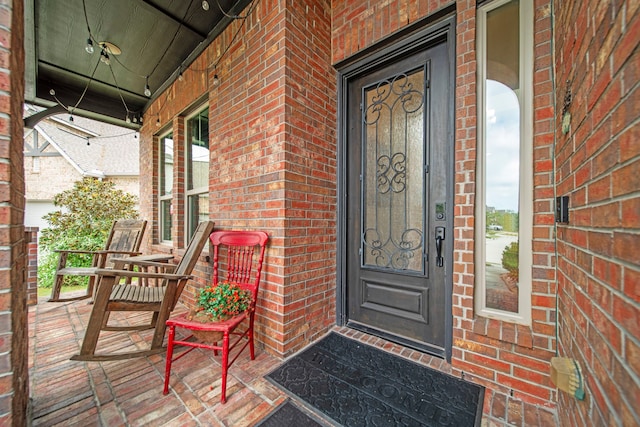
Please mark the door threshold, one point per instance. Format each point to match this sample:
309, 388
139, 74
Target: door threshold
403, 341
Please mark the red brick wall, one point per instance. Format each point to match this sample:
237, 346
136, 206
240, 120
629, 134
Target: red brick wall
598, 167
310, 175
273, 167
506, 357
510, 358
358, 24
14, 375
272, 142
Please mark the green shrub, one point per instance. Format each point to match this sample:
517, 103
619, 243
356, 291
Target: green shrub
47, 262
48, 259
510, 260
89, 210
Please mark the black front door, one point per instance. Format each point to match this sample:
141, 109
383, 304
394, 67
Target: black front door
398, 245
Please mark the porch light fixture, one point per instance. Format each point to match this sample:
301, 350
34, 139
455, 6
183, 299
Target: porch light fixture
104, 57
147, 90
52, 92
216, 81
108, 48
89, 47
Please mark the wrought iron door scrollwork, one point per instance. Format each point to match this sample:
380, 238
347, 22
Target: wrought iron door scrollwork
391, 173
392, 254
392, 235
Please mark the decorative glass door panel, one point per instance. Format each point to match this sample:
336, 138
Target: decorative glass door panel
393, 173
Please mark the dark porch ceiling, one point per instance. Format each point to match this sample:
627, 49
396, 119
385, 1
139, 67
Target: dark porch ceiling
157, 38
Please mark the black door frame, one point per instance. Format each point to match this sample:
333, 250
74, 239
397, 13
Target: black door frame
424, 33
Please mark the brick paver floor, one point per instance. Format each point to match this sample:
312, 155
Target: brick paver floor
129, 392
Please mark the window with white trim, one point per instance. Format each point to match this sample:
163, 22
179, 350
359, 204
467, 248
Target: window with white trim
504, 200
197, 170
165, 190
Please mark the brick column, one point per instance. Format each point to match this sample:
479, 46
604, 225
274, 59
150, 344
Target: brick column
597, 162
14, 373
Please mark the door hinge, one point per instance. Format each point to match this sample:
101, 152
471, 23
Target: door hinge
427, 83
426, 168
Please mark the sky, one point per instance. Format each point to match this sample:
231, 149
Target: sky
502, 147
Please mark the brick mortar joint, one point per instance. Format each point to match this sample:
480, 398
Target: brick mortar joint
484, 330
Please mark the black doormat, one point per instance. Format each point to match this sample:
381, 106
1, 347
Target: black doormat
353, 384
288, 415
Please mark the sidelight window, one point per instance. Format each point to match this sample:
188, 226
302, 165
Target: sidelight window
197, 170
505, 187
166, 186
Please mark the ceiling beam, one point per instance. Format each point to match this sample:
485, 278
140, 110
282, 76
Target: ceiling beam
32, 120
72, 74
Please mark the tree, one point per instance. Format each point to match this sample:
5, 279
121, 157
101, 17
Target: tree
83, 223
510, 260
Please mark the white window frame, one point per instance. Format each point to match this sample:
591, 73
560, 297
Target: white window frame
525, 210
163, 198
194, 191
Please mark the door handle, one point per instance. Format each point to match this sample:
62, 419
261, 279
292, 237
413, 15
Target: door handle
439, 240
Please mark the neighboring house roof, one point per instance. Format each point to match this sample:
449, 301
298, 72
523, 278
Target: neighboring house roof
91, 147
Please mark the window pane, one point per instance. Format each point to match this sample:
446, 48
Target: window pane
503, 45
198, 211
502, 163
198, 151
166, 165
165, 185
165, 220
197, 170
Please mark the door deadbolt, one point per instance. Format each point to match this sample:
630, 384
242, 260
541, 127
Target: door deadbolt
440, 211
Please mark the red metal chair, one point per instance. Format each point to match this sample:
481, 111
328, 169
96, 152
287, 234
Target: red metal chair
245, 254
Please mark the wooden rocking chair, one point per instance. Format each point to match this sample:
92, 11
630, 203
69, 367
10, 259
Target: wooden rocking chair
132, 295
124, 240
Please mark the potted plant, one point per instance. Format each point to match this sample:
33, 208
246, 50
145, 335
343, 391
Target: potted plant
219, 303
